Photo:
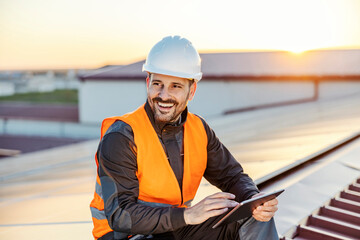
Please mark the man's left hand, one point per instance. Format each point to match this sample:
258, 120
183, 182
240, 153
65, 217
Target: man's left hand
265, 212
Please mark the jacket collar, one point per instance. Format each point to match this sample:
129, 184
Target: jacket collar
177, 126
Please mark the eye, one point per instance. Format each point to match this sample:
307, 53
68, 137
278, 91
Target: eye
177, 86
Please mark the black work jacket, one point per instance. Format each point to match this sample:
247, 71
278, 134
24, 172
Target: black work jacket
117, 171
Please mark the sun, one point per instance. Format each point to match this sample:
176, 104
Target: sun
297, 50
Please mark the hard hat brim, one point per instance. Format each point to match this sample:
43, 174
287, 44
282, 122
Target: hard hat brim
151, 69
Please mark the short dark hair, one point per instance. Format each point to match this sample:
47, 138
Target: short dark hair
191, 80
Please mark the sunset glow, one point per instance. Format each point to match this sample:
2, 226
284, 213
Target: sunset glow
89, 34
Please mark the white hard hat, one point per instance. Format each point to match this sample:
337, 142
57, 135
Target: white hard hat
174, 56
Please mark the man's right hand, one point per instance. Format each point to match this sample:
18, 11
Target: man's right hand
210, 206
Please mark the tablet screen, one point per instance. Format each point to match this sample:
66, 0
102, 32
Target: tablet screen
245, 208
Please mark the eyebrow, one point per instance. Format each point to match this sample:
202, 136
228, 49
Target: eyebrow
158, 80
178, 83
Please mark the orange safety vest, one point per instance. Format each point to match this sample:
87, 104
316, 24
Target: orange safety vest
157, 181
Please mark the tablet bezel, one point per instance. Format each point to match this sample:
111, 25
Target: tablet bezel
245, 208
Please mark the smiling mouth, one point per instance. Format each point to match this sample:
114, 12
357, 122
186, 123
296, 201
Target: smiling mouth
165, 107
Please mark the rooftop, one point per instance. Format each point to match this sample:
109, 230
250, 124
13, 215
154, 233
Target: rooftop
343, 63
49, 194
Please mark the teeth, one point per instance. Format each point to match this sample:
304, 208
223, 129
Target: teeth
165, 104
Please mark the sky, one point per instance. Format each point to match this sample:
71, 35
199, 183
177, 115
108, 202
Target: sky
50, 34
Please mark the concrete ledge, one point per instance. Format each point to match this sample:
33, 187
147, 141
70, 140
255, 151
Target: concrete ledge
49, 128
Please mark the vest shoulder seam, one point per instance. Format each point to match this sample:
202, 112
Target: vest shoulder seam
122, 128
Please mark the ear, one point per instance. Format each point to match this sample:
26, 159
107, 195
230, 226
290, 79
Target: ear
192, 90
147, 82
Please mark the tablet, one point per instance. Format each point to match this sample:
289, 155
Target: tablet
245, 208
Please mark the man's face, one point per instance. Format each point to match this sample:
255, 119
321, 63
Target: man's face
168, 96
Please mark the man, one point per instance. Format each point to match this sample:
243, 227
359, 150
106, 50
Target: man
151, 161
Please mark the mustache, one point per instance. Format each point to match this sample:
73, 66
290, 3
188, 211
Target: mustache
158, 99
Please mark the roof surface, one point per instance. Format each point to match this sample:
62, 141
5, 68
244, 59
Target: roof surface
49, 194
256, 64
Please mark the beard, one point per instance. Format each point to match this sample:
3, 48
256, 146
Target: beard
166, 115
165, 118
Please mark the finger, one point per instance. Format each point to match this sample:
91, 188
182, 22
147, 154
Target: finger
220, 205
272, 202
210, 200
266, 213
267, 209
263, 216
222, 195
261, 219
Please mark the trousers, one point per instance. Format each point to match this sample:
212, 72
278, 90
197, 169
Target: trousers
246, 229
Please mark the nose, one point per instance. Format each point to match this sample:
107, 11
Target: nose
164, 94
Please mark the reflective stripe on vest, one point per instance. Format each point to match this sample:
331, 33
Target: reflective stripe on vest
157, 181
101, 225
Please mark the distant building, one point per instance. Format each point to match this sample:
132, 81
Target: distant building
7, 89
231, 82
12, 82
